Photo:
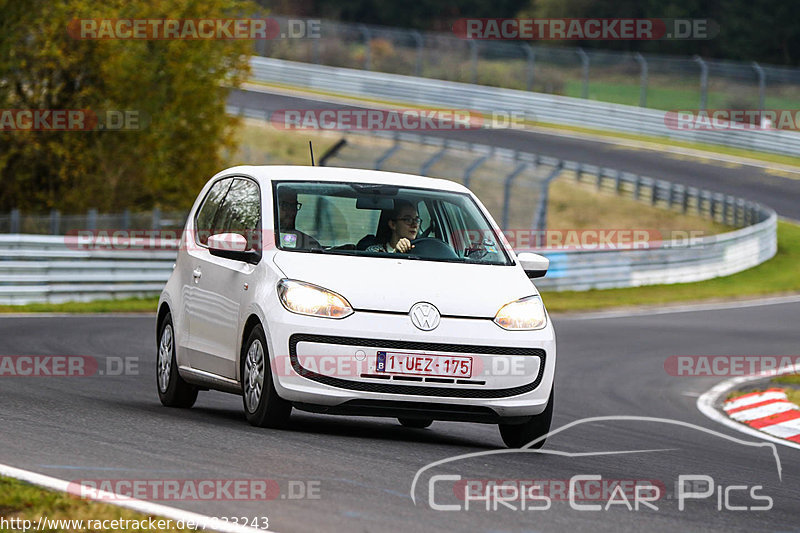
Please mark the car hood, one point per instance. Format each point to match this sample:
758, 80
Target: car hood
388, 284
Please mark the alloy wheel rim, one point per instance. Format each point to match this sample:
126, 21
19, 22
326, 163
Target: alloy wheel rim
254, 375
165, 358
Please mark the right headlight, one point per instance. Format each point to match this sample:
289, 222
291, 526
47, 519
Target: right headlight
526, 313
307, 299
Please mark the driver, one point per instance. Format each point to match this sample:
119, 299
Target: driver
401, 228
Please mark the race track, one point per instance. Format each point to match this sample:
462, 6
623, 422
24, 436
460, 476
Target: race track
105, 427
750, 182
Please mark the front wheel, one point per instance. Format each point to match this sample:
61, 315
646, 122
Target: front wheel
518, 435
173, 391
262, 405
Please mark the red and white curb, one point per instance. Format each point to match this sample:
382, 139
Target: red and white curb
770, 411
199, 520
767, 415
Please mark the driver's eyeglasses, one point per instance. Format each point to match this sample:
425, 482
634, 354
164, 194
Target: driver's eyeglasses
415, 221
290, 205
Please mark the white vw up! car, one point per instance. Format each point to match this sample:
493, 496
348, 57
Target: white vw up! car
355, 292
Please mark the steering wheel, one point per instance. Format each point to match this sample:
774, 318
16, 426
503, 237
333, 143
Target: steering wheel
432, 248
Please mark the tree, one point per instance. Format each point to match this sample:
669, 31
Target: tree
177, 88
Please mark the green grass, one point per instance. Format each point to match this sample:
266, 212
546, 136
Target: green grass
790, 379
132, 305
668, 98
28, 502
776, 276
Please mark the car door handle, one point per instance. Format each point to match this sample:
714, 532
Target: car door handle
196, 273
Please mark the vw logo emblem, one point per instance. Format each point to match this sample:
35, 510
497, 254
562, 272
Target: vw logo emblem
425, 316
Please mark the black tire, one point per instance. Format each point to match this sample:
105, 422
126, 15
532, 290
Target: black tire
417, 423
269, 409
173, 391
518, 435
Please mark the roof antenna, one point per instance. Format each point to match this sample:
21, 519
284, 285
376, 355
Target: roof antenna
311, 149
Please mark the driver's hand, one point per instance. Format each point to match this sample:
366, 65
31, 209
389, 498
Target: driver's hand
403, 245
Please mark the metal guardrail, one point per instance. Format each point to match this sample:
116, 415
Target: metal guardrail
45, 268
36, 268
662, 262
546, 108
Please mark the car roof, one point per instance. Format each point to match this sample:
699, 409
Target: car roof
267, 173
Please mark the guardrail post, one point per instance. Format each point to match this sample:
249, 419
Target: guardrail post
713, 207
420, 44
367, 46
55, 222
599, 183
685, 200
617, 181
426, 166
762, 85
507, 192
156, 218
472, 168
703, 81
637, 188
473, 59
387, 154
585, 72
126, 219
91, 219
540, 220
316, 56
14, 222
654, 192
531, 64
642, 79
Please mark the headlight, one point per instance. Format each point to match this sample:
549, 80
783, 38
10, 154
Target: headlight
527, 313
307, 299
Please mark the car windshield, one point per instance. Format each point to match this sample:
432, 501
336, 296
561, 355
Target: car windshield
384, 221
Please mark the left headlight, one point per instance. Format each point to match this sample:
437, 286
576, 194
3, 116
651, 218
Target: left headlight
526, 313
307, 299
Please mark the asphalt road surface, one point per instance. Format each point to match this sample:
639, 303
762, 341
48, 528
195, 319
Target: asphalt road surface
750, 182
360, 470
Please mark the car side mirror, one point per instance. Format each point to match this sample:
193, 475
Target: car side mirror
534, 265
232, 246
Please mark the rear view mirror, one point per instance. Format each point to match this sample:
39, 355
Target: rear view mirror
375, 202
232, 246
534, 265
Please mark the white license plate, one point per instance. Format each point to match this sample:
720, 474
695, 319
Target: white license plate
418, 364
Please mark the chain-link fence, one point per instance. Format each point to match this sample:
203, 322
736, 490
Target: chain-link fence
646, 80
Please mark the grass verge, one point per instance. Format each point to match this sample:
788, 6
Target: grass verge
131, 305
19, 500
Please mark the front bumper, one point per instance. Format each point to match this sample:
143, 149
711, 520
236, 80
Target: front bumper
329, 365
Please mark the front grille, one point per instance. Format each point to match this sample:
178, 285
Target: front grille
415, 390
